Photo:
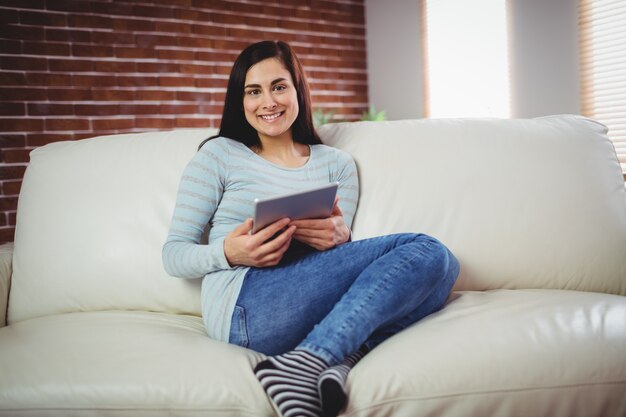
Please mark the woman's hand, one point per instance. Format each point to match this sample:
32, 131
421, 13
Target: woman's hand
243, 248
322, 234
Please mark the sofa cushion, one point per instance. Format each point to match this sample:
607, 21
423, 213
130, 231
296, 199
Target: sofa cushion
535, 203
541, 353
92, 217
117, 363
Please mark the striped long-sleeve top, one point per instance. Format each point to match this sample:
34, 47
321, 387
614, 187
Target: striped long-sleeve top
217, 190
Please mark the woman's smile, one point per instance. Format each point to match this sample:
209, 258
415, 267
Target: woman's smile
270, 118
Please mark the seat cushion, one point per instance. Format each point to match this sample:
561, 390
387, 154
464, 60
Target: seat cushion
540, 353
124, 364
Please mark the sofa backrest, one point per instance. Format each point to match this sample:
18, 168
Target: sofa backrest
537, 203
92, 218
523, 204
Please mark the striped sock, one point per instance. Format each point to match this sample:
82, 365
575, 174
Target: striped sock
332, 381
290, 381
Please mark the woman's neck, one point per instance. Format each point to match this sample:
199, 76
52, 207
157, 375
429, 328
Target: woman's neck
283, 151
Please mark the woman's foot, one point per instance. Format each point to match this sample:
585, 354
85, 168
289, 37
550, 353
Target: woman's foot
332, 382
290, 380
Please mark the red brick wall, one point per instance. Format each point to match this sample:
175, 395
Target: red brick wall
71, 69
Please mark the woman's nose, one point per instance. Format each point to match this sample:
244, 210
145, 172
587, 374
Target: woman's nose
268, 101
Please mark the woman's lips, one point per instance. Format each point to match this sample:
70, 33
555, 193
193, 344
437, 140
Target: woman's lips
271, 117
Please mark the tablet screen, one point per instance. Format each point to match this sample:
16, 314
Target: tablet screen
315, 203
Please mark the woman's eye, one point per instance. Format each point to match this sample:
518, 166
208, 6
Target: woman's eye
280, 87
253, 92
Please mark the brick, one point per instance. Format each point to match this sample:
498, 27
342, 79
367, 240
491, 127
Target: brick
192, 122
12, 156
68, 94
128, 52
12, 109
7, 234
155, 95
46, 48
12, 141
195, 15
176, 81
228, 19
39, 139
149, 41
226, 44
96, 109
68, 35
152, 11
11, 31
210, 30
19, 93
110, 94
89, 21
3, 219
23, 63
137, 109
12, 172
8, 203
70, 124
194, 96
113, 8
172, 27
154, 123
210, 108
135, 81
178, 109
176, 55
255, 9
92, 51
12, 47
43, 18
11, 187
21, 125
12, 217
158, 67
131, 25
47, 109
194, 42
204, 82
197, 69
108, 38
70, 65
94, 80
115, 66
9, 16
70, 5
113, 124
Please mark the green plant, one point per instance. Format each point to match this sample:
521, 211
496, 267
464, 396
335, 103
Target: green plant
321, 116
372, 115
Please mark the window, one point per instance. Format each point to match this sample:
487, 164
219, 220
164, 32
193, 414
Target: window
603, 63
467, 71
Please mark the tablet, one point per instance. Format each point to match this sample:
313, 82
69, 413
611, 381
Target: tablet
314, 203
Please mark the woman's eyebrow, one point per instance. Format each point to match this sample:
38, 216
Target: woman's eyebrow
276, 81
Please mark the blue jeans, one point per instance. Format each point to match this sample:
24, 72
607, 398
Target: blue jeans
330, 303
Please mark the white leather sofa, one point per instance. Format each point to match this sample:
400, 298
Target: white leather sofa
535, 211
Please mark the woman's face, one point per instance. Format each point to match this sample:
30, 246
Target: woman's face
270, 99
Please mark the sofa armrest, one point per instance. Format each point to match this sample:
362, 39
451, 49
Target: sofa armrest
6, 270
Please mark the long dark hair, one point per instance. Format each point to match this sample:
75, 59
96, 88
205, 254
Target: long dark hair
234, 124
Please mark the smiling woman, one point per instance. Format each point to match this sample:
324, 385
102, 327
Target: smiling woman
297, 290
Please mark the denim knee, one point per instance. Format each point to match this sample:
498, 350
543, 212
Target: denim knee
440, 257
